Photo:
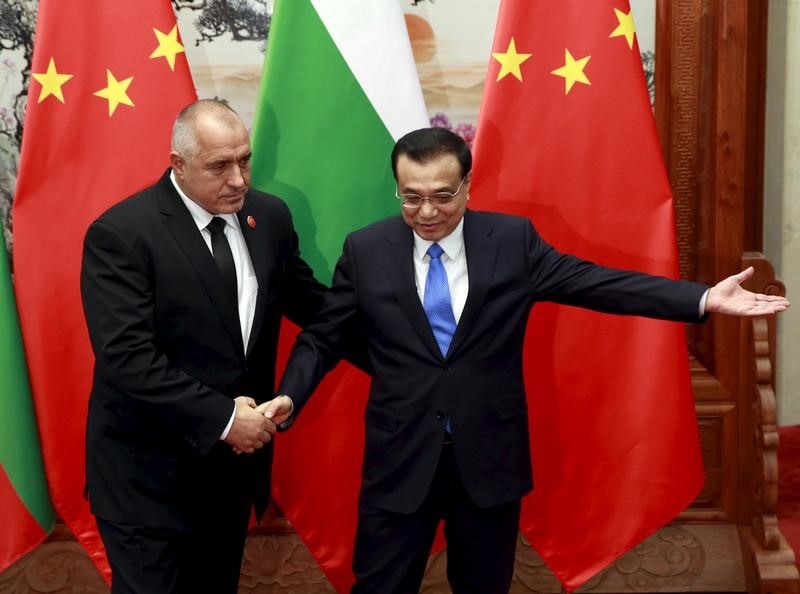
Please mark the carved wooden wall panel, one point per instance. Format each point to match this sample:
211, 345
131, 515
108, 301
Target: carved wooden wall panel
683, 78
714, 424
710, 64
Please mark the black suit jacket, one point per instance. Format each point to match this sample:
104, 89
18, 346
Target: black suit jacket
479, 385
169, 354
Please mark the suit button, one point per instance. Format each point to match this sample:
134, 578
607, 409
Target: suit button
439, 415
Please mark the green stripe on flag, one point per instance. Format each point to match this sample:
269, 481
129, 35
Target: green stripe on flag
318, 143
20, 453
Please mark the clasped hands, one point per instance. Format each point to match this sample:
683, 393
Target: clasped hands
253, 426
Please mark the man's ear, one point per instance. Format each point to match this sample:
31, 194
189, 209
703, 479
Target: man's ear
177, 162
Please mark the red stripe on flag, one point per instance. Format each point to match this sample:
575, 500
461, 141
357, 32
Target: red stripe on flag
79, 157
21, 533
323, 505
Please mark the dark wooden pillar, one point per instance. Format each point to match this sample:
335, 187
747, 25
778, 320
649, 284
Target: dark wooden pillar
710, 90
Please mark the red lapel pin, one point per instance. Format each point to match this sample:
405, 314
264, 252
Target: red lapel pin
251, 222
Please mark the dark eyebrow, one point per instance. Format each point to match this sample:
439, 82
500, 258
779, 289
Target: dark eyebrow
445, 188
440, 190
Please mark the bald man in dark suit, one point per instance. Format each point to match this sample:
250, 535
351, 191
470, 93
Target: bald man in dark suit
184, 286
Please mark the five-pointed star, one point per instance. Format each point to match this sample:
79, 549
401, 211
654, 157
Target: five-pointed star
51, 82
625, 27
116, 92
572, 71
510, 61
168, 46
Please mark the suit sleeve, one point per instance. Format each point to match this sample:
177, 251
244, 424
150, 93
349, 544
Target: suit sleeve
301, 292
303, 297
118, 304
327, 339
569, 280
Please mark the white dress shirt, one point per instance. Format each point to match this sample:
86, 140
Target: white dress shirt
246, 282
454, 260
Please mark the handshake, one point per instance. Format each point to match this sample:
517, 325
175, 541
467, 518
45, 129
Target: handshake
253, 426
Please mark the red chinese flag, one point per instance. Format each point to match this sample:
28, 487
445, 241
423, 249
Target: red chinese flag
108, 79
567, 138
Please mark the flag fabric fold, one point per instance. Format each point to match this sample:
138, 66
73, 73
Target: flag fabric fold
107, 81
339, 87
566, 137
26, 506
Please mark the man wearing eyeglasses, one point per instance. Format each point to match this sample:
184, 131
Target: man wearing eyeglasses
442, 294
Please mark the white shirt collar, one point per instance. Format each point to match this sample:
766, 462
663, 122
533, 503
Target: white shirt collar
199, 214
451, 244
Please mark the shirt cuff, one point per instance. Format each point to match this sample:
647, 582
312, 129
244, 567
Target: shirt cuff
703, 303
229, 425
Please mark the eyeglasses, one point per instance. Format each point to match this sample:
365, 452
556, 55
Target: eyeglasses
437, 199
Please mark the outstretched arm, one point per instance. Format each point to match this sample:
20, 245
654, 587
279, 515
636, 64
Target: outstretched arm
729, 297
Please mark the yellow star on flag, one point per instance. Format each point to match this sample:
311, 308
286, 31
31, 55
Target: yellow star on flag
116, 92
51, 82
168, 46
572, 71
625, 28
510, 61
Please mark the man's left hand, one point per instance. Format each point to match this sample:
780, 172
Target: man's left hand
728, 297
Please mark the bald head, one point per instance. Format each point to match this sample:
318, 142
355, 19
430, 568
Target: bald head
200, 114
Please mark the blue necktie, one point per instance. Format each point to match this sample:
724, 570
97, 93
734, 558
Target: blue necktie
436, 302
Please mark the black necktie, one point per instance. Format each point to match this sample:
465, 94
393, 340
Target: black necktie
224, 259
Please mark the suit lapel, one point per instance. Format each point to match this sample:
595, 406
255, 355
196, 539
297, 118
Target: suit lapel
258, 249
181, 225
481, 252
399, 266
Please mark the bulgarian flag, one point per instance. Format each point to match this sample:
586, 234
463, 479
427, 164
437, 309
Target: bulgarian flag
27, 513
339, 88
107, 80
566, 137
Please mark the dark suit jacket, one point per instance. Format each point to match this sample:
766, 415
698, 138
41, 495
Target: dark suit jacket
169, 354
479, 385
